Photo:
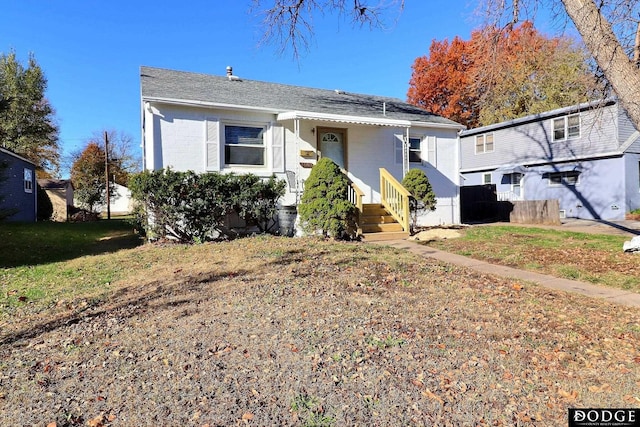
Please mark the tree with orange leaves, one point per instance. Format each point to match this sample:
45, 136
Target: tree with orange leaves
501, 74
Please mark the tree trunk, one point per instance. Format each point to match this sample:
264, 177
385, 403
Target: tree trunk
636, 47
599, 38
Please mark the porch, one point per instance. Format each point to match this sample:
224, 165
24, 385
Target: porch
387, 220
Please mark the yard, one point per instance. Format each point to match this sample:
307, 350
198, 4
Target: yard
278, 331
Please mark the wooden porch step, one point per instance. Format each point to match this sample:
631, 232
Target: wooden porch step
380, 227
375, 219
373, 209
383, 236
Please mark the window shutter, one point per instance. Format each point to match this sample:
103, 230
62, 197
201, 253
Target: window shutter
399, 148
277, 148
212, 145
432, 155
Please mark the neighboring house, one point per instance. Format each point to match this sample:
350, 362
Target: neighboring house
120, 201
586, 156
18, 189
60, 192
226, 124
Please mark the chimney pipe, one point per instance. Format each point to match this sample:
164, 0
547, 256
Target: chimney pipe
229, 70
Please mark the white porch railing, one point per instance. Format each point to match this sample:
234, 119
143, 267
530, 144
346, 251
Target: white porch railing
508, 196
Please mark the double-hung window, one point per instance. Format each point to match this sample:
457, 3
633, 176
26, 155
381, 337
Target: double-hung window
567, 127
28, 181
244, 145
415, 155
564, 178
484, 143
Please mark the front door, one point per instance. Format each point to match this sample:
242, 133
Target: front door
332, 145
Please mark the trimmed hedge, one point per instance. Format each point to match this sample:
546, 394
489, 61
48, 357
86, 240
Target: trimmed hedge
193, 207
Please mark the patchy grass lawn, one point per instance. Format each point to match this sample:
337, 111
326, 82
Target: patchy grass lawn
47, 261
278, 331
593, 258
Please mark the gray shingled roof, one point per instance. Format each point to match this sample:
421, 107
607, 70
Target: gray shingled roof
158, 83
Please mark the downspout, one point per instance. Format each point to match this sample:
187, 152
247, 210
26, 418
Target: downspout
143, 144
296, 130
458, 219
405, 154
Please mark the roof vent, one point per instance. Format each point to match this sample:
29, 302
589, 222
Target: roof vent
230, 75
339, 91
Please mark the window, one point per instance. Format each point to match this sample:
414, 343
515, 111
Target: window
415, 155
564, 178
486, 178
567, 127
516, 184
28, 181
484, 143
244, 145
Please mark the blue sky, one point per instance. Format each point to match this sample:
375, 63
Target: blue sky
91, 51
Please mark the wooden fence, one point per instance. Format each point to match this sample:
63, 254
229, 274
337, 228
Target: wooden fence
535, 212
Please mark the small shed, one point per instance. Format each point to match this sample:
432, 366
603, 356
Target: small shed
60, 192
18, 190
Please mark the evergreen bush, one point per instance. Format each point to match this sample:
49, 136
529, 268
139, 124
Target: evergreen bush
422, 196
193, 207
325, 207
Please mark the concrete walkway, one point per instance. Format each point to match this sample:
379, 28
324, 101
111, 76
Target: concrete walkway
618, 296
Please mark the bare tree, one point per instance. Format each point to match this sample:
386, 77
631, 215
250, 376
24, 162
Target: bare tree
289, 23
609, 29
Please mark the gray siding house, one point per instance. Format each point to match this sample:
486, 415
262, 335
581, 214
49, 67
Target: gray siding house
17, 187
586, 156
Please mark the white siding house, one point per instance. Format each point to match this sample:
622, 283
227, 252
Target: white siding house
224, 124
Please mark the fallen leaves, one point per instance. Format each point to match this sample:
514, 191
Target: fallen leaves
604, 388
259, 335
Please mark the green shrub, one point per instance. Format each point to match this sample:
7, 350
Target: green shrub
193, 207
325, 207
422, 195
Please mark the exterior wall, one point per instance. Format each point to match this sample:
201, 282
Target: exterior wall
120, 202
12, 188
599, 193
632, 179
625, 127
58, 197
175, 137
531, 142
440, 164
179, 137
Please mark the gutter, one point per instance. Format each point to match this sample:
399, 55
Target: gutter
545, 162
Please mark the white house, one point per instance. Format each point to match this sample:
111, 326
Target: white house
209, 123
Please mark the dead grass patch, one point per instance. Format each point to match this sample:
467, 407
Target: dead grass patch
278, 331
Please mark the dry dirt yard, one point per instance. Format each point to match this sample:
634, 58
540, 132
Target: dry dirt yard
276, 331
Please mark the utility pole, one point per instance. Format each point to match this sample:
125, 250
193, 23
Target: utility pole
106, 172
